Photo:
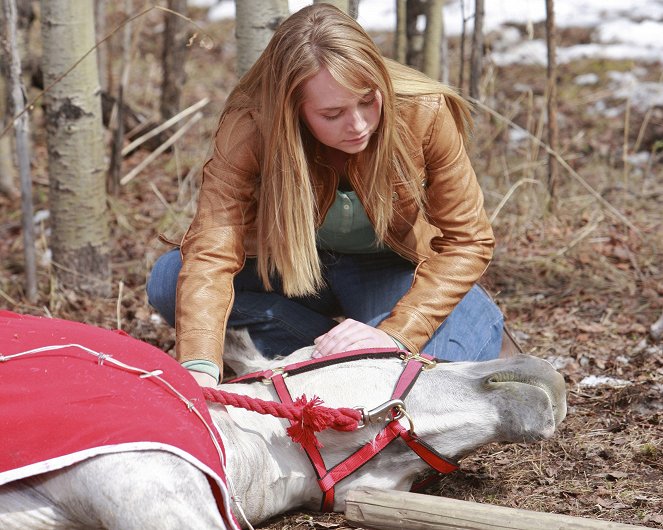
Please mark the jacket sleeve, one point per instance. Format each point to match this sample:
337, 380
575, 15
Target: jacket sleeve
213, 248
461, 238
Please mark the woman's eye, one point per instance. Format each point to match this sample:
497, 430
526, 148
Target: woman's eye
331, 118
368, 101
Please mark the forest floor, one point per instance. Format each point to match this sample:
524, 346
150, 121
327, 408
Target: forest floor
581, 284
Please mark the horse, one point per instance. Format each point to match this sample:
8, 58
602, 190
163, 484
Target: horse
443, 411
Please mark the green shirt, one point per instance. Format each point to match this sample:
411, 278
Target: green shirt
347, 228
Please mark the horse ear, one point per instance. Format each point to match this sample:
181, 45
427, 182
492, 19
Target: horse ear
240, 354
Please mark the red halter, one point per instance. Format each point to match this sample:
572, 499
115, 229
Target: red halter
328, 478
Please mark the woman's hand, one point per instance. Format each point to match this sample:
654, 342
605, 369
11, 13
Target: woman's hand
203, 379
350, 335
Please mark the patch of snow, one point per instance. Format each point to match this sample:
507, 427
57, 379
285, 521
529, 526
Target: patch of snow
602, 380
586, 79
625, 29
41, 215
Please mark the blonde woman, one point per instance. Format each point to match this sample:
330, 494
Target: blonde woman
339, 186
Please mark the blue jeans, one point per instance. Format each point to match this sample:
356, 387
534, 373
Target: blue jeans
364, 287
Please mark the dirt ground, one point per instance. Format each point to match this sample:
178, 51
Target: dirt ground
581, 282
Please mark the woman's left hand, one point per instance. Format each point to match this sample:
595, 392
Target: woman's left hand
350, 335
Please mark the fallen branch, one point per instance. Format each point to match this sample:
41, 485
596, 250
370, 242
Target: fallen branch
152, 156
165, 125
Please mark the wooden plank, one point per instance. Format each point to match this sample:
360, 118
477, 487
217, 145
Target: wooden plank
392, 510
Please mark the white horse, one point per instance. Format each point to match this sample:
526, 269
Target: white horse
454, 408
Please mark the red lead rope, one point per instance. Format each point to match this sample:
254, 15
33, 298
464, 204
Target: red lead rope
308, 416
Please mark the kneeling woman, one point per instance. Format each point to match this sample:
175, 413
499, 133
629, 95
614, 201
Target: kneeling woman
339, 186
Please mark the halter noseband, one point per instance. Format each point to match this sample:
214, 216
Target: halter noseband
391, 411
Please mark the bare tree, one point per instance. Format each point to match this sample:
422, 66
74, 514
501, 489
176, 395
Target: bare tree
7, 170
400, 38
173, 59
415, 37
21, 126
553, 135
77, 191
476, 55
256, 21
431, 58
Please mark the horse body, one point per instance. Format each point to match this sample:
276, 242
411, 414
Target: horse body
455, 407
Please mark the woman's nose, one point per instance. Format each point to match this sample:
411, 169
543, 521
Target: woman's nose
357, 121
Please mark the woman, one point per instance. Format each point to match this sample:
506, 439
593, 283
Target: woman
339, 186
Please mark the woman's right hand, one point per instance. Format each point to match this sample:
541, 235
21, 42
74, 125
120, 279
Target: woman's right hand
203, 379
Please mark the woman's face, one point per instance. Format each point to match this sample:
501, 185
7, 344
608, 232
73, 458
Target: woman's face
337, 117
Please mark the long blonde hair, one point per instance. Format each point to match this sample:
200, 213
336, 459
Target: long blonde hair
321, 36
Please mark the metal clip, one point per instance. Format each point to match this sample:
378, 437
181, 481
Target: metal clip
428, 363
382, 413
275, 371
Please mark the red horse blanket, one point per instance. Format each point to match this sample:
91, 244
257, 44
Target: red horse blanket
61, 403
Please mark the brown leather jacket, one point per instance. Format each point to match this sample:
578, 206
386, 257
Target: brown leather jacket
451, 244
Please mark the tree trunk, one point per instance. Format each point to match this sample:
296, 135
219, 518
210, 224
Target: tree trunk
7, 170
476, 56
553, 139
415, 38
463, 32
256, 21
400, 38
22, 145
173, 59
343, 5
432, 39
77, 193
100, 14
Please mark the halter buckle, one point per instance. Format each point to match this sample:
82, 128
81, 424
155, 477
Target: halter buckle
382, 413
428, 364
267, 380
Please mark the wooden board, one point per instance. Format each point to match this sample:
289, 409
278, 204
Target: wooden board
388, 509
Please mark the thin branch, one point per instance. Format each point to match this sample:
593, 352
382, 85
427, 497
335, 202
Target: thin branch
165, 125
149, 159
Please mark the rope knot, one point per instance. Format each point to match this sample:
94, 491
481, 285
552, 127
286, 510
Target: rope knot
315, 418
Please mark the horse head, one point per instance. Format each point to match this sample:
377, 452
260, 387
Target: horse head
452, 408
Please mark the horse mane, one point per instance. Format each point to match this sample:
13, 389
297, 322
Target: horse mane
242, 356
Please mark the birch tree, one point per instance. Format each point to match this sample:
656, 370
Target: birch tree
77, 190
476, 55
400, 37
255, 21
21, 126
431, 57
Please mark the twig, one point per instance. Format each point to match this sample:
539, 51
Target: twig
168, 207
508, 194
149, 159
8, 298
582, 235
118, 306
165, 125
614, 211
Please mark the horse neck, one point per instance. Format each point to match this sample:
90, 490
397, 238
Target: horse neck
267, 472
